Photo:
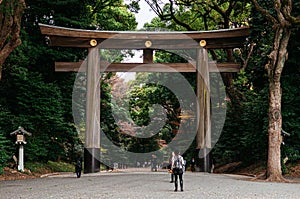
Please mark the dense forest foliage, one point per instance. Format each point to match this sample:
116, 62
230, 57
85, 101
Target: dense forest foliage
34, 96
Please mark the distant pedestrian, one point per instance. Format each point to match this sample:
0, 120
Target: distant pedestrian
193, 164
154, 163
78, 165
170, 166
177, 168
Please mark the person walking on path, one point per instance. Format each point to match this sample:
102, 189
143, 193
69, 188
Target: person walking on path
78, 165
170, 166
177, 168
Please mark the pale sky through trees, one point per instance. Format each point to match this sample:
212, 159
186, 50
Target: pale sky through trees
145, 15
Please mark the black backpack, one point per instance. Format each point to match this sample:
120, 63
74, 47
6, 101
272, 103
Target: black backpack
177, 163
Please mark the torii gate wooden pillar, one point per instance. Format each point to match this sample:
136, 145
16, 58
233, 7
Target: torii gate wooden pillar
66, 37
203, 95
92, 136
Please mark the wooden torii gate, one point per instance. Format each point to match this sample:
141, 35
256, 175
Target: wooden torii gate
148, 42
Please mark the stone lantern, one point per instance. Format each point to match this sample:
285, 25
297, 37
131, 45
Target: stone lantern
20, 140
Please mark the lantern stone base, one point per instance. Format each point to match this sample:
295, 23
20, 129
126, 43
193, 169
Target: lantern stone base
21, 158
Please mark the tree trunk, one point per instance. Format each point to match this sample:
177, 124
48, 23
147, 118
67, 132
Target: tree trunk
274, 133
277, 59
10, 26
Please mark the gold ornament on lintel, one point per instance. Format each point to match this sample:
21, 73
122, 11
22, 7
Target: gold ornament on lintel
202, 43
93, 42
148, 44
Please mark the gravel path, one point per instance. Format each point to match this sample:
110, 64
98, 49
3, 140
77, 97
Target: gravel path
139, 185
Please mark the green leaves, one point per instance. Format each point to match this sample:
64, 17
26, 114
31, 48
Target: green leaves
4, 153
37, 107
6, 149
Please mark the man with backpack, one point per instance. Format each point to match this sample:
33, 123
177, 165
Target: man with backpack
177, 169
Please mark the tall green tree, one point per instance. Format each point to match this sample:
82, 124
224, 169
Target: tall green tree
281, 18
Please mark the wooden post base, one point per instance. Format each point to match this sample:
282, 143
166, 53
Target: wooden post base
204, 160
91, 160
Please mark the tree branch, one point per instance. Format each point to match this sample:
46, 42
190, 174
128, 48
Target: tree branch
281, 18
230, 8
245, 61
156, 8
264, 12
185, 25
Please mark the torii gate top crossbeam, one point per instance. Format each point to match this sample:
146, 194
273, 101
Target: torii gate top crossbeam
68, 37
